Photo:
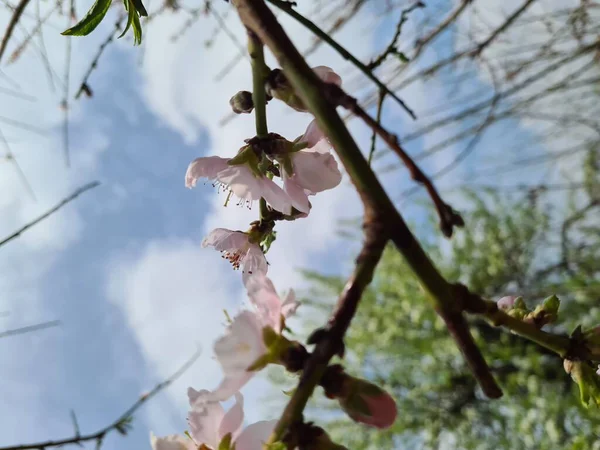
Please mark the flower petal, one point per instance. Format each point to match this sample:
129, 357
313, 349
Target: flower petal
242, 344
275, 196
233, 419
316, 172
254, 261
254, 436
313, 134
263, 296
327, 75
207, 167
296, 194
225, 240
172, 442
205, 419
290, 304
242, 182
229, 386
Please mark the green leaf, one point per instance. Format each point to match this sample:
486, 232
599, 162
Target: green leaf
133, 19
91, 20
139, 7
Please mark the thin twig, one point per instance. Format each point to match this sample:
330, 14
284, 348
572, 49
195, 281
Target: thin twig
65, 101
392, 48
12, 24
84, 87
514, 16
17, 94
378, 119
120, 425
23, 125
10, 156
62, 203
287, 8
30, 328
449, 218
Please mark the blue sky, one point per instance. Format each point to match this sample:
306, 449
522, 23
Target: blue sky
122, 267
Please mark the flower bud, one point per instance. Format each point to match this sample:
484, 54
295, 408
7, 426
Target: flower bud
367, 403
241, 103
507, 302
278, 86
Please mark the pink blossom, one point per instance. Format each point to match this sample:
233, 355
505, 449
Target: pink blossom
209, 424
172, 442
507, 302
240, 179
327, 75
236, 247
271, 308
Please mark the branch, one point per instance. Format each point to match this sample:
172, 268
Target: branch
392, 47
62, 203
330, 340
287, 8
507, 23
28, 329
12, 24
120, 425
449, 218
258, 17
84, 87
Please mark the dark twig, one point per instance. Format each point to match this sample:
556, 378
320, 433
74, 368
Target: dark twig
121, 425
29, 329
62, 203
18, 11
287, 8
392, 48
449, 218
67, 76
84, 87
10, 156
507, 23
378, 119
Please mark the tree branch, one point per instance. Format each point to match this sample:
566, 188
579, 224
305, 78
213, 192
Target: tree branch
12, 24
30, 328
120, 425
258, 17
330, 340
287, 8
449, 218
62, 203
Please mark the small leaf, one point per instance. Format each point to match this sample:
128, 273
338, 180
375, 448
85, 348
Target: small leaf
91, 19
139, 7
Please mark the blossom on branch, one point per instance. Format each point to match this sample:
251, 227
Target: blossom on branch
172, 442
241, 176
238, 248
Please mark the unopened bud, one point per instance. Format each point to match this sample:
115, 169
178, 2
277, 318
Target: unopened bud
278, 86
367, 403
586, 377
241, 103
507, 302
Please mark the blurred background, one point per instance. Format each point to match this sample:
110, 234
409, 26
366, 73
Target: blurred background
508, 126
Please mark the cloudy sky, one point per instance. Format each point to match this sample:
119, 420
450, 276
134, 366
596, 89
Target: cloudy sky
122, 267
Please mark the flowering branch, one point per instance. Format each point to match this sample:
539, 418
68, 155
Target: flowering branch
121, 425
257, 16
287, 7
330, 339
449, 218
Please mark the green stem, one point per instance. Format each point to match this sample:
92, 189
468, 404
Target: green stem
288, 9
259, 74
561, 345
378, 119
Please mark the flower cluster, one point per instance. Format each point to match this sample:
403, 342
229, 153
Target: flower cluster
254, 337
